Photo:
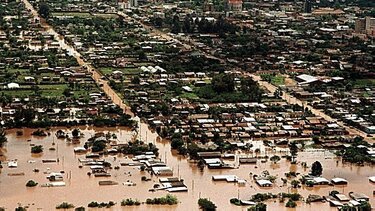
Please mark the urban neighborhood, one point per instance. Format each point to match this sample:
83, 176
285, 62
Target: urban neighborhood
187, 105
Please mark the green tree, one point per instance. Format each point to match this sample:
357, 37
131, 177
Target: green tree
176, 26
258, 207
37, 149
315, 139
316, 169
135, 80
206, 204
295, 183
365, 206
291, 203
19, 208
275, 159
24, 116
65, 205
66, 92
79, 209
250, 89
141, 55
158, 22
44, 10
176, 143
98, 146
223, 83
31, 183
75, 133
293, 151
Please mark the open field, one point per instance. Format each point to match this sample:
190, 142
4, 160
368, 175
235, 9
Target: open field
278, 80
364, 83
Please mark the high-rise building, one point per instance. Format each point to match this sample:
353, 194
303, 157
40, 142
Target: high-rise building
307, 6
133, 3
360, 25
365, 25
370, 23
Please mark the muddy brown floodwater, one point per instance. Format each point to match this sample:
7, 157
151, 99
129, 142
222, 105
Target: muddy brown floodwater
81, 189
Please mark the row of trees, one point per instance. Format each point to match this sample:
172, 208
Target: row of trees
138, 147
200, 25
223, 89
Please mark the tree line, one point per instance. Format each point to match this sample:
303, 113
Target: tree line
192, 24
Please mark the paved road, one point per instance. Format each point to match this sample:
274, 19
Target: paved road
96, 75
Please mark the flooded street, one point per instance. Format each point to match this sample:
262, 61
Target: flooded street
81, 189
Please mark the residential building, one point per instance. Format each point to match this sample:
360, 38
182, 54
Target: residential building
235, 5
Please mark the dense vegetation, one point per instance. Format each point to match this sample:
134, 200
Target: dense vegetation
364, 206
31, 183
316, 169
223, 89
101, 205
37, 149
258, 207
206, 204
138, 147
355, 153
65, 205
197, 25
130, 202
168, 199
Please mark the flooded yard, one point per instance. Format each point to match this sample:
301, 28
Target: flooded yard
81, 189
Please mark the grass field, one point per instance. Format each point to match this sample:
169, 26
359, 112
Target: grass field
126, 71
50, 90
17, 93
364, 83
278, 80
189, 96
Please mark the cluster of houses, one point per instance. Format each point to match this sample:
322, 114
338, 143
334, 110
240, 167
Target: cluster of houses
300, 34
317, 50
73, 6
36, 72
240, 124
354, 109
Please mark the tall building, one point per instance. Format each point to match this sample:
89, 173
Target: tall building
123, 4
307, 6
370, 23
133, 3
235, 5
365, 26
360, 25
